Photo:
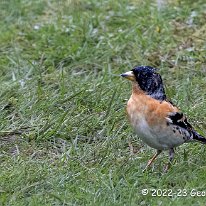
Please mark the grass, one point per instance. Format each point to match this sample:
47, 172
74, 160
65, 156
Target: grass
64, 135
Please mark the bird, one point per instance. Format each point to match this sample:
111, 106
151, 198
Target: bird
155, 119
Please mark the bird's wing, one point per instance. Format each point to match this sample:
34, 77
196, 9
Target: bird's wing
179, 123
178, 119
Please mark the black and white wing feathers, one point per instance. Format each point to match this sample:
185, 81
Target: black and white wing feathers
180, 125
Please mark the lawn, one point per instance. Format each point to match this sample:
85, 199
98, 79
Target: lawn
64, 134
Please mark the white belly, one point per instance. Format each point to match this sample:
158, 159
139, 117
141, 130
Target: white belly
156, 137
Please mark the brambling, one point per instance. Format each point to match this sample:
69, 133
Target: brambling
157, 121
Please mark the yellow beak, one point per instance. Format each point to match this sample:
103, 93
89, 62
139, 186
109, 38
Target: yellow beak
129, 75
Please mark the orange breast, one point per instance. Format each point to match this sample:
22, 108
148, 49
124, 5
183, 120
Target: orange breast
153, 111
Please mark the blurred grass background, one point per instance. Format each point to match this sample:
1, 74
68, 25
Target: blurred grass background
64, 133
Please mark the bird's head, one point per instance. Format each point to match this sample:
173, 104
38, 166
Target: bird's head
148, 80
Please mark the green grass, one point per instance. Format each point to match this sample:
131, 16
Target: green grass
63, 129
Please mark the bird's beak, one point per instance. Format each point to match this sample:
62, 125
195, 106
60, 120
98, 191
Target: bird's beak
129, 75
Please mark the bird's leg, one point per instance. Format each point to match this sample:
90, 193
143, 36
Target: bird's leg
152, 159
171, 157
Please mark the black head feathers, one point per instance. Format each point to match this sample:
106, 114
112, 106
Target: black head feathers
150, 81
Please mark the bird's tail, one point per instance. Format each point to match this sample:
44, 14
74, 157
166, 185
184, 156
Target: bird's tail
198, 137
